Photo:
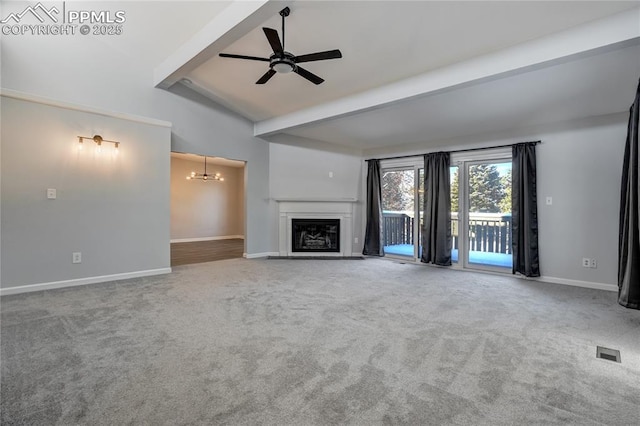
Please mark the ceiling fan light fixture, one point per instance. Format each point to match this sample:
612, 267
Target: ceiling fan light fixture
282, 67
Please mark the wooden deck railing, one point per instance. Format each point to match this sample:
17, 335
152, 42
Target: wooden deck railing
488, 232
397, 229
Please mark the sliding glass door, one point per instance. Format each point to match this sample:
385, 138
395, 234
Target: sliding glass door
480, 209
454, 178
486, 214
420, 210
402, 210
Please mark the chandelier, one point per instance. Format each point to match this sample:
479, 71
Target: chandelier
205, 176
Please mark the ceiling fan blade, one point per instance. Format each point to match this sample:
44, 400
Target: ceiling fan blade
319, 56
274, 40
266, 77
252, 58
308, 75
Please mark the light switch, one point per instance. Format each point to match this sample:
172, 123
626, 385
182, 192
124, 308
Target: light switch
51, 193
549, 201
330, 174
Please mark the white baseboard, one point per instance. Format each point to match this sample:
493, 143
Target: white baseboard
576, 283
551, 280
545, 279
259, 255
191, 240
81, 281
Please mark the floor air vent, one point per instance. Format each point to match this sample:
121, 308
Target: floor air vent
608, 354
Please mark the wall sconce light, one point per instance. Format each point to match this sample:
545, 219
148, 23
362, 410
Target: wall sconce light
205, 176
98, 140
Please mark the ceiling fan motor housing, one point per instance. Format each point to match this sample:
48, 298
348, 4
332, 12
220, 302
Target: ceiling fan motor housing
282, 63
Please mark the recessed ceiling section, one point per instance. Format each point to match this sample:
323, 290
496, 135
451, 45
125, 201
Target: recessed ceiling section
381, 43
591, 86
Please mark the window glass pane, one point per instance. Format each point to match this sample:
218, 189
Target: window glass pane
398, 197
489, 211
420, 209
455, 206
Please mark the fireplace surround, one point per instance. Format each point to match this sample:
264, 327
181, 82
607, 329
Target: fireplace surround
338, 211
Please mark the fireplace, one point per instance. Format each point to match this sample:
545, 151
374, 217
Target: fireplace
336, 212
315, 235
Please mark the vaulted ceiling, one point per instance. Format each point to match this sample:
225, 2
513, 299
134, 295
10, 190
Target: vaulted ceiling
415, 72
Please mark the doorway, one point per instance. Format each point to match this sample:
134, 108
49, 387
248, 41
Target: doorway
207, 212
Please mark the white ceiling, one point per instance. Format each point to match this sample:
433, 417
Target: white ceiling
154, 30
391, 43
582, 88
381, 42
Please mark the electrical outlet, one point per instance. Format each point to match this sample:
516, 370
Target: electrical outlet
586, 262
593, 264
51, 193
76, 257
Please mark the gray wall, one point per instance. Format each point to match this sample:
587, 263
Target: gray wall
114, 210
303, 173
579, 166
94, 71
208, 209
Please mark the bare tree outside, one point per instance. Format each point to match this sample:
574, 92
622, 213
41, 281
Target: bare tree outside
398, 190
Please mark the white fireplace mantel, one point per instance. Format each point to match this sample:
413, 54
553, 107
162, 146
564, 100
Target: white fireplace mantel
315, 208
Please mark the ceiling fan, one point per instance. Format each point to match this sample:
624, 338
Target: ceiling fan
284, 62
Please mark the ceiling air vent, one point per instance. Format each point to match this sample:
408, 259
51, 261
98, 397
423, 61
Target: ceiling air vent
608, 354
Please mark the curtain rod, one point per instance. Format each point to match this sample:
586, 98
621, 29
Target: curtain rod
458, 150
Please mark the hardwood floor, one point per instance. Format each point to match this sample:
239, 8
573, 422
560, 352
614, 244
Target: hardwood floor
205, 251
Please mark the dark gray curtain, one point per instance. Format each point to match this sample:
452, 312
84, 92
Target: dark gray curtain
524, 210
373, 244
629, 242
436, 231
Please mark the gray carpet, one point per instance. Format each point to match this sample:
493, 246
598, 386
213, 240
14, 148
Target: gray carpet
302, 342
